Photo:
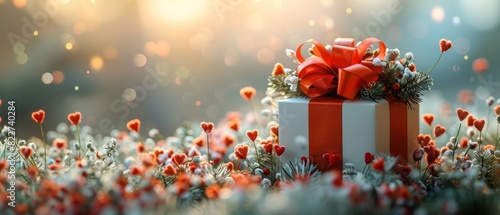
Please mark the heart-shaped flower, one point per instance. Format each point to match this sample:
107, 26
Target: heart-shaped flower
332, 158
470, 120
278, 70
497, 110
479, 124
268, 147
428, 118
169, 170
134, 125
26, 151
248, 93
445, 45
75, 118
274, 130
253, 134
462, 114
378, 165
178, 158
424, 140
234, 125
60, 143
38, 116
241, 151
369, 157
439, 130
207, 127
279, 149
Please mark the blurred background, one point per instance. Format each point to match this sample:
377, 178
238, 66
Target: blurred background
168, 61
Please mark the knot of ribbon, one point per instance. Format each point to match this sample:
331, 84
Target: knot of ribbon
343, 68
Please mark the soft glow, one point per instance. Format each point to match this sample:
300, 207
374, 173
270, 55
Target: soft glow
177, 10
69, 46
129, 94
348, 10
20, 3
22, 58
96, 62
466, 57
77, 88
47, 78
140, 60
437, 14
35, 33
311, 22
58, 77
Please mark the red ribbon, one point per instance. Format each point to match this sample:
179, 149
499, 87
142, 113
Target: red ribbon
342, 69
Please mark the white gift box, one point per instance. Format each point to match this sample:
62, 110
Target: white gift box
313, 127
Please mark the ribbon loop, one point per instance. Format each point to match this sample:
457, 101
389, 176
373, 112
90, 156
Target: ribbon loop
342, 68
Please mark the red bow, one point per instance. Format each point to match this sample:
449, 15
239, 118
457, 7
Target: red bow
342, 68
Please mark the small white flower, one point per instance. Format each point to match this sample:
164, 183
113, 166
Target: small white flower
471, 132
288, 71
378, 62
490, 100
265, 112
409, 56
290, 53
450, 145
266, 100
293, 82
153, 132
409, 73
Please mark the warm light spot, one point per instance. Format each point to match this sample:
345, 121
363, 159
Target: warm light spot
79, 28
329, 23
265, 56
480, 65
92, 1
129, 94
35, 33
19, 3
198, 103
150, 48
88, 72
178, 81
311, 22
110, 53
58, 77
96, 63
47, 78
177, 10
466, 57
348, 10
22, 58
77, 88
437, 14
140, 60
69, 46
162, 48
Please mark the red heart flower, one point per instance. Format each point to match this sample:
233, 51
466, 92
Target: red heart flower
470, 120
207, 127
369, 157
497, 110
439, 130
60, 143
75, 118
268, 147
169, 170
424, 140
445, 45
274, 130
38, 116
241, 151
378, 165
253, 134
279, 149
479, 124
428, 118
303, 159
248, 93
234, 125
26, 151
178, 158
332, 158
134, 125
462, 114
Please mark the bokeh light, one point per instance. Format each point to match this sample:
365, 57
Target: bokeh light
129, 94
96, 63
58, 77
481, 14
140, 60
265, 56
461, 45
437, 14
19, 3
47, 78
480, 65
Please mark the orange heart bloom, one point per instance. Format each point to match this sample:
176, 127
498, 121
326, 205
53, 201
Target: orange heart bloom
248, 93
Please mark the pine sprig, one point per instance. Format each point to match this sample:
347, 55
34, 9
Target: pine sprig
277, 85
411, 93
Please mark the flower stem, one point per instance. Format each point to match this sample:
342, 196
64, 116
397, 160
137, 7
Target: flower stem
435, 64
79, 142
44, 147
208, 148
456, 141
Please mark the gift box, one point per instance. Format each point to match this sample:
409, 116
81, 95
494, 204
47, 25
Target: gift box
349, 128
